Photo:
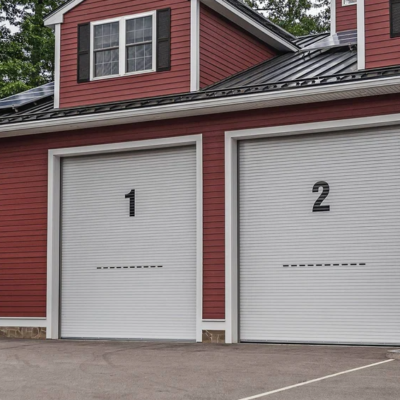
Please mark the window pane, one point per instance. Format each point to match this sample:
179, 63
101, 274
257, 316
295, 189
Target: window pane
139, 30
139, 57
106, 35
106, 62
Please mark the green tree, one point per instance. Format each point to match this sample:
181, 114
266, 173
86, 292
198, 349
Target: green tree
299, 17
26, 45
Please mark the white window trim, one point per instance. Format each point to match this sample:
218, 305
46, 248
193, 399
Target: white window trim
344, 4
122, 45
232, 138
54, 223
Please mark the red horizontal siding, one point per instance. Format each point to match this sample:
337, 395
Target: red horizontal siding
128, 87
346, 16
380, 49
23, 228
226, 49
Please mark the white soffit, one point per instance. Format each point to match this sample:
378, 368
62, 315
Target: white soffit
251, 26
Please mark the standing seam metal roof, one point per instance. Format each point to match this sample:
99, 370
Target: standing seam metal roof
295, 66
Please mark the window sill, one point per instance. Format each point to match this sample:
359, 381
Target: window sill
99, 78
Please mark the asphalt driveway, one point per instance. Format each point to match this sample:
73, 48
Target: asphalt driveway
77, 370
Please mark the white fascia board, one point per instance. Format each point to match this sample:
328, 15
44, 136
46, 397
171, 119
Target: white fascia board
58, 17
248, 24
316, 94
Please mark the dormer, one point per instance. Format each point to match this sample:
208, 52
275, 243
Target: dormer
116, 50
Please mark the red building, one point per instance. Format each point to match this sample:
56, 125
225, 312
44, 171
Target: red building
197, 173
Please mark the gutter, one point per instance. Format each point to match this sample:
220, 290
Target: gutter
305, 95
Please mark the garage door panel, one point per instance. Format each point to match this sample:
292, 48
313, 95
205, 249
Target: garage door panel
123, 276
297, 281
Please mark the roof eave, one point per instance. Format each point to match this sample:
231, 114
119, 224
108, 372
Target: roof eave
58, 16
255, 28
313, 94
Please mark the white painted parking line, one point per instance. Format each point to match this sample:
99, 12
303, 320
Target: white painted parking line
258, 396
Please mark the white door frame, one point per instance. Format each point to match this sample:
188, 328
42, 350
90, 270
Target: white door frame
231, 195
54, 209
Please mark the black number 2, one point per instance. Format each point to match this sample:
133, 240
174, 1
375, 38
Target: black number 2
317, 205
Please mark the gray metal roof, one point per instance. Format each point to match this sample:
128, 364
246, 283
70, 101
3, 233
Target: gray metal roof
48, 113
46, 105
294, 66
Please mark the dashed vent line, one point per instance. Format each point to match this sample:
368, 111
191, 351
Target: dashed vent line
324, 265
131, 267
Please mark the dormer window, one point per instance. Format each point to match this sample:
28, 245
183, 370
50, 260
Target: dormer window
139, 44
123, 46
106, 49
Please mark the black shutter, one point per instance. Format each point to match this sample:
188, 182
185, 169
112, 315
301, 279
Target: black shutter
164, 39
395, 18
83, 53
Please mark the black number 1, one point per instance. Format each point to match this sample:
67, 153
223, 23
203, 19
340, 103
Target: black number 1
317, 205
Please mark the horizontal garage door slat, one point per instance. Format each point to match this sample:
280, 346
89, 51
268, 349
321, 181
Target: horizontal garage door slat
297, 281
155, 297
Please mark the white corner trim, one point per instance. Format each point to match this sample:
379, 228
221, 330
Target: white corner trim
284, 97
333, 17
199, 226
58, 16
57, 65
361, 34
231, 242
23, 322
53, 226
194, 45
231, 194
250, 25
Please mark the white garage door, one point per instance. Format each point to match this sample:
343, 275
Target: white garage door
129, 264
329, 273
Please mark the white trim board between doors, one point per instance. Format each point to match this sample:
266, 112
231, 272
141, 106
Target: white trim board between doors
54, 203
231, 195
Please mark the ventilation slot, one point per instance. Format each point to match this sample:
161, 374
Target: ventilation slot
324, 265
132, 267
